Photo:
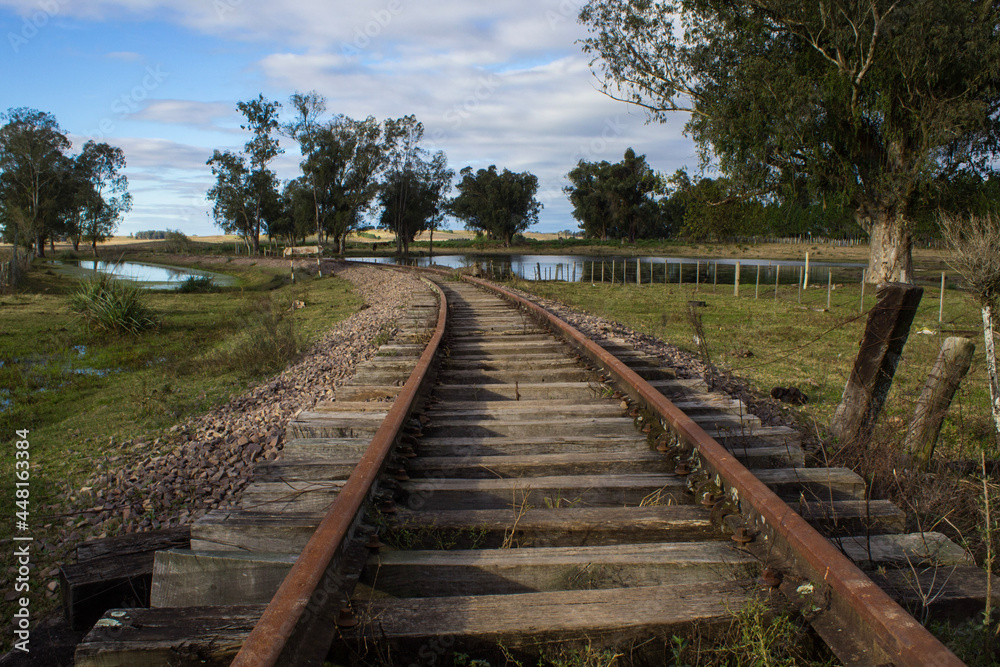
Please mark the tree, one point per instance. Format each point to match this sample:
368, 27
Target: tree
616, 199
345, 163
104, 195
413, 200
497, 204
877, 99
32, 146
975, 242
710, 209
244, 184
403, 157
309, 106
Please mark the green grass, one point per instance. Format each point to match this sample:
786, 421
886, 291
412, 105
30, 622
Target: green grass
80, 390
795, 345
76, 388
113, 306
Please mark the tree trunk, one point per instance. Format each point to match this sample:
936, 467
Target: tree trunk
430, 251
76, 243
991, 368
52, 244
885, 334
951, 366
39, 246
15, 268
93, 246
890, 259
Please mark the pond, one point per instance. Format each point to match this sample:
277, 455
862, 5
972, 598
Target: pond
580, 268
152, 276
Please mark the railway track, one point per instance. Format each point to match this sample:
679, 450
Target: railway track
525, 493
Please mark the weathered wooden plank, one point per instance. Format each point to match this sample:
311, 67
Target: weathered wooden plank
814, 483
356, 391
156, 637
509, 391
487, 446
853, 517
523, 376
532, 619
254, 531
543, 527
583, 426
186, 578
554, 491
135, 543
505, 571
290, 496
330, 449
953, 593
903, 550
113, 572
485, 467
511, 410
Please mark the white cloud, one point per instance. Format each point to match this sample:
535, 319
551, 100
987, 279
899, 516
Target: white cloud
127, 56
186, 112
493, 83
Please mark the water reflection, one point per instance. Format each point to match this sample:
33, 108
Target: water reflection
150, 275
640, 270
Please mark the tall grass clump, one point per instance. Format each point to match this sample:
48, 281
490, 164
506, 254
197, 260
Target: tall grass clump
266, 341
115, 306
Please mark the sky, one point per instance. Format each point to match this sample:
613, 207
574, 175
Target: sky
502, 83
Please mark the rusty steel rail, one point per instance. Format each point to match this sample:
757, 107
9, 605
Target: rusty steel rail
278, 637
859, 605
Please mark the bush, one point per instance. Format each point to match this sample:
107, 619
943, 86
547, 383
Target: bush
113, 305
267, 341
196, 284
176, 241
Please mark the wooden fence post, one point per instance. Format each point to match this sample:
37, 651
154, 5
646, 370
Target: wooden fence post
736, 280
951, 366
885, 334
941, 306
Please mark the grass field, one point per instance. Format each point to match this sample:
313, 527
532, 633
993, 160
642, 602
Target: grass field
76, 389
780, 342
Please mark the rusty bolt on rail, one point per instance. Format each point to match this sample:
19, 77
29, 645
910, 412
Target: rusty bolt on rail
374, 543
742, 536
346, 618
682, 469
770, 578
387, 507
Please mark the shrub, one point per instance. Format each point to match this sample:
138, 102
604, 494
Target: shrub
196, 284
266, 342
113, 305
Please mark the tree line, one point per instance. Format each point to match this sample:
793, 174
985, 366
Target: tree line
353, 170
628, 200
46, 193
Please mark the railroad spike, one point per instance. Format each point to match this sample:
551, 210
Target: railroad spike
374, 543
346, 618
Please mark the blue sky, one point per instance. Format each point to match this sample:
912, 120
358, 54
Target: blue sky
493, 83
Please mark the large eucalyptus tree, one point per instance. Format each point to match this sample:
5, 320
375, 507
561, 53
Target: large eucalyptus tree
879, 101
